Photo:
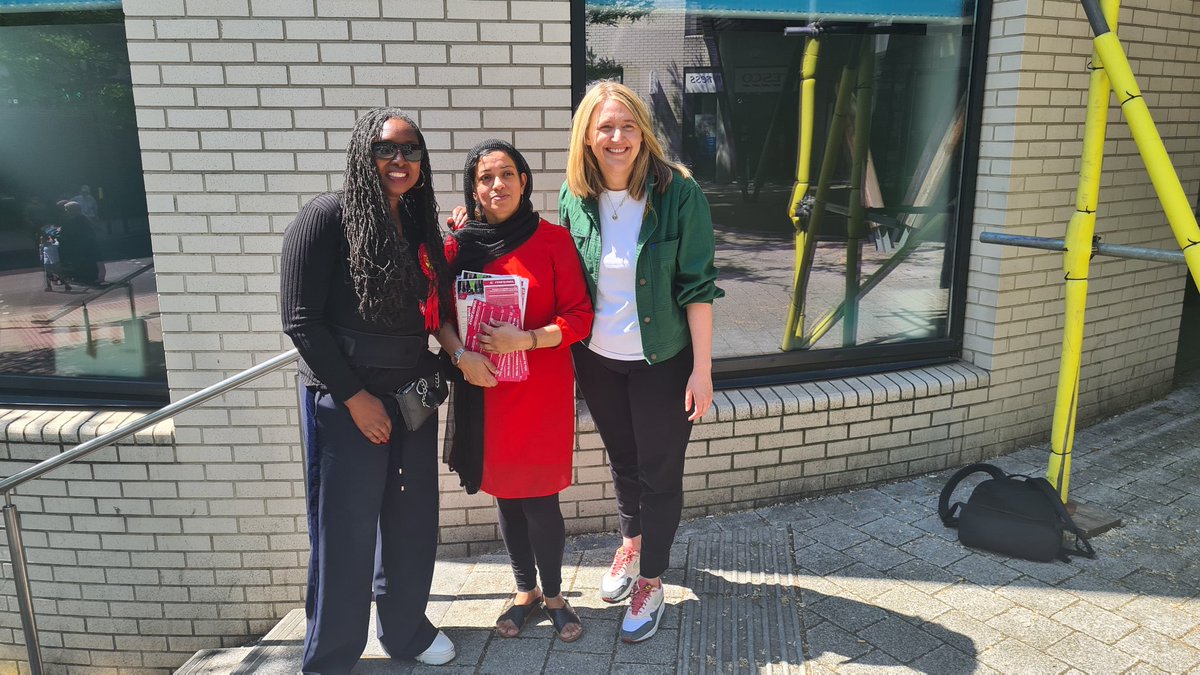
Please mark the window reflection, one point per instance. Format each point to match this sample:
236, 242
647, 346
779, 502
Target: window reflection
724, 84
77, 296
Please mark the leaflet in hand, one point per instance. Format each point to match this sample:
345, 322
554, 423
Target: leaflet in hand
482, 298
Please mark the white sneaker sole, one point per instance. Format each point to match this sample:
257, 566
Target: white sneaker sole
620, 595
653, 629
436, 658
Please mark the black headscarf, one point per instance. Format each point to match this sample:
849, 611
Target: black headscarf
480, 242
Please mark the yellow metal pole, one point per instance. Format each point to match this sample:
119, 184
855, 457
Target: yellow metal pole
1154, 154
856, 223
808, 86
1075, 264
807, 236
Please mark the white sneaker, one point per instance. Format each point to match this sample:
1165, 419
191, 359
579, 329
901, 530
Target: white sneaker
439, 653
644, 613
616, 585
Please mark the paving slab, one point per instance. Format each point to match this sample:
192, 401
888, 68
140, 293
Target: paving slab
865, 581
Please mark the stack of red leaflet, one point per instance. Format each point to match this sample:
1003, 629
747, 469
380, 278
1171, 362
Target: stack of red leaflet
484, 298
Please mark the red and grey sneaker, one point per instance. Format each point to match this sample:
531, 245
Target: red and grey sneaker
616, 585
644, 613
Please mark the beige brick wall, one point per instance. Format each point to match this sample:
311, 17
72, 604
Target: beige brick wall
1029, 160
197, 539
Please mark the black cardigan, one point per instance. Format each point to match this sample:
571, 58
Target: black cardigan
316, 294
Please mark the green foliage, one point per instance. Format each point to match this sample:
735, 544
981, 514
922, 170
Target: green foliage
84, 67
612, 13
602, 68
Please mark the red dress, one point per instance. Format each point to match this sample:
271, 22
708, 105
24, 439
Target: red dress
529, 427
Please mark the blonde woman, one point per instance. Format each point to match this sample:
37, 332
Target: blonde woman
645, 236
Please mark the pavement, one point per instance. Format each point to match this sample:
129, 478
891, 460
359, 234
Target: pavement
868, 581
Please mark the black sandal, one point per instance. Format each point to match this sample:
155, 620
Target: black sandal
518, 615
562, 617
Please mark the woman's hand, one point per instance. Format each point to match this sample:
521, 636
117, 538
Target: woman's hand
458, 218
699, 394
370, 417
501, 337
478, 369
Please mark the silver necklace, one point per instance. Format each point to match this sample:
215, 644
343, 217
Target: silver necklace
616, 208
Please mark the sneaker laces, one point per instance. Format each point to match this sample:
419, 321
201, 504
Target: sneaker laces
641, 594
621, 561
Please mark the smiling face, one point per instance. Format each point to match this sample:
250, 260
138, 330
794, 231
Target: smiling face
498, 186
398, 175
615, 140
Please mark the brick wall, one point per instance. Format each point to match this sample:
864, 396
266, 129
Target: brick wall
1029, 160
244, 107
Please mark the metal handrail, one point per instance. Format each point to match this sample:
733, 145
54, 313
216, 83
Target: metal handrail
112, 286
12, 524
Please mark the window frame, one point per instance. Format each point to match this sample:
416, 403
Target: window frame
67, 391
805, 365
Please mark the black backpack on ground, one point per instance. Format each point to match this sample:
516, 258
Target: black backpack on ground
1012, 514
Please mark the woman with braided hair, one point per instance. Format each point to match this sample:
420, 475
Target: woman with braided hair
525, 431
364, 283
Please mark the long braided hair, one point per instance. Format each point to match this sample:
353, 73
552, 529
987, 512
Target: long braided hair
384, 265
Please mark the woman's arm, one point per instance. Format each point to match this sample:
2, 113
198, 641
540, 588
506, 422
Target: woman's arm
477, 368
573, 314
699, 393
308, 266
696, 288
695, 274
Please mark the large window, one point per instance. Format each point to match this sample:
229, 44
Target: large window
79, 313
873, 272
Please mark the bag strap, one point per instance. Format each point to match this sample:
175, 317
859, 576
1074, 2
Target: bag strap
945, 511
1082, 546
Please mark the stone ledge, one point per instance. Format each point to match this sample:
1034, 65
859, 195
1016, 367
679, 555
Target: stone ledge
865, 390
72, 427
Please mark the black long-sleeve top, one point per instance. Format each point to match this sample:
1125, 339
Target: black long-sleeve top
317, 293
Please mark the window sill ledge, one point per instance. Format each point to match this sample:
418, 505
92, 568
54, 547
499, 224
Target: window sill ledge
734, 405
72, 427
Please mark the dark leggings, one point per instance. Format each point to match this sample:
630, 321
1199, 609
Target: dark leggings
534, 534
638, 410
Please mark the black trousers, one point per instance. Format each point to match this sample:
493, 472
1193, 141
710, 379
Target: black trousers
638, 410
534, 535
372, 524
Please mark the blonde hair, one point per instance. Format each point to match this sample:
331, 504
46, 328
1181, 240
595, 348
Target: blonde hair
584, 178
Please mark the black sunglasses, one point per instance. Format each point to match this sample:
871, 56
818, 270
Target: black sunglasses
389, 150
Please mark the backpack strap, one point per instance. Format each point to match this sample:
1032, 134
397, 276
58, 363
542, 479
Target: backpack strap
1082, 546
945, 511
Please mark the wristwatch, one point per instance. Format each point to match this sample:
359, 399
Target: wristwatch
457, 356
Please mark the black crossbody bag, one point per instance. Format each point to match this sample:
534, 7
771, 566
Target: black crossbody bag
419, 398
1012, 514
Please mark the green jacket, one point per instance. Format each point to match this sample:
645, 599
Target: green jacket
673, 259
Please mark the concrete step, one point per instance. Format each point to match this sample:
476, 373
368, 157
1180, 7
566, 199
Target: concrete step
278, 652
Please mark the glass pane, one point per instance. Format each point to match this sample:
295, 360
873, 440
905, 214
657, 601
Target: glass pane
724, 84
77, 293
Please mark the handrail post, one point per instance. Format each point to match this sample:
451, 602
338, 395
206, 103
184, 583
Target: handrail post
16, 551
132, 304
87, 325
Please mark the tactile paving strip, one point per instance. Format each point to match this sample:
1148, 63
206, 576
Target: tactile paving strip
744, 616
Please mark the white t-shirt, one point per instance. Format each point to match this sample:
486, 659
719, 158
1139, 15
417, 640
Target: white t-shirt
615, 331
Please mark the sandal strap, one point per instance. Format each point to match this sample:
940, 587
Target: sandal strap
519, 614
563, 616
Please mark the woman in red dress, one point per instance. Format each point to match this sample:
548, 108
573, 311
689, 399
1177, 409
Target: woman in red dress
525, 430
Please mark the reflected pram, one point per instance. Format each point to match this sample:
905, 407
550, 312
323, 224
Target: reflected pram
48, 249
